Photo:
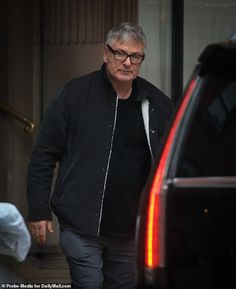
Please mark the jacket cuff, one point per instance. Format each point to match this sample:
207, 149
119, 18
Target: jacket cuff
39, 214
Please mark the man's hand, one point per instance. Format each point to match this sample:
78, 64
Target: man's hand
39, 230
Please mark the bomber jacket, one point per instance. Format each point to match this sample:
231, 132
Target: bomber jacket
77, 133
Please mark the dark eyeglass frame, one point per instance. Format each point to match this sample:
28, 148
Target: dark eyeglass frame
119, 55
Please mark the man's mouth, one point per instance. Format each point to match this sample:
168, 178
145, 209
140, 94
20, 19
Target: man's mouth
125, 71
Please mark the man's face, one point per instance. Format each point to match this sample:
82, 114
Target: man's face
123, 71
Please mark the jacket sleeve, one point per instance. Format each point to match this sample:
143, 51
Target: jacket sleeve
48, 150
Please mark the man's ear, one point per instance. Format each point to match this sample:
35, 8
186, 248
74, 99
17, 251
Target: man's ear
105, 54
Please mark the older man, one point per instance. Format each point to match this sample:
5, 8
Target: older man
104, 129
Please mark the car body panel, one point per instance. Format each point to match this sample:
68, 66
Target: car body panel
186, 226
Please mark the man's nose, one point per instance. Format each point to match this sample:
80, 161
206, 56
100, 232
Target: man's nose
127, 61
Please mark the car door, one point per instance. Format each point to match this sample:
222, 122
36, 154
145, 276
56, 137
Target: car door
200, 210
186, 227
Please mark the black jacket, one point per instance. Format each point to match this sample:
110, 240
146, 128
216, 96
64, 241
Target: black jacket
77, 132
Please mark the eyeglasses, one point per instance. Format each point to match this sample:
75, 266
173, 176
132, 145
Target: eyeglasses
122, 56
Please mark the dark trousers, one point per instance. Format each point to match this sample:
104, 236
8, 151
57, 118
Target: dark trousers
97, 262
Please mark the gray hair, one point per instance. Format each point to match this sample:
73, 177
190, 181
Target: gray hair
126, 31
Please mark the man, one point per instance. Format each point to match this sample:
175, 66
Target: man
103, 129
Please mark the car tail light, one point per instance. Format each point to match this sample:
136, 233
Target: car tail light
154, 256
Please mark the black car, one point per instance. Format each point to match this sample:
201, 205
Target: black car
186, 227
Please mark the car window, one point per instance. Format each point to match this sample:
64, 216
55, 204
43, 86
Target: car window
210, 145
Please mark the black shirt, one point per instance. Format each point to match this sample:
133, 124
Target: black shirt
128, 171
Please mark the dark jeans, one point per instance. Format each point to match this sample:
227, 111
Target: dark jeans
97, 262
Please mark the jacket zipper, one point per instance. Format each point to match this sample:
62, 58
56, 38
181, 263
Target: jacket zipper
107, 168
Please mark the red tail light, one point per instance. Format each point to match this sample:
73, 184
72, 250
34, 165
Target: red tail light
153, 255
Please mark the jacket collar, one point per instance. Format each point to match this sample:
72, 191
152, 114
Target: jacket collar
142, 91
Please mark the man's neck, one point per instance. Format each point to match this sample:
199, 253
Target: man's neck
123, 89
124, 92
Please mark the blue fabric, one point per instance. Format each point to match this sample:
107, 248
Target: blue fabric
14, 236
97, 262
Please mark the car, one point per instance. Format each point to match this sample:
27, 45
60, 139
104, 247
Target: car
186, 224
